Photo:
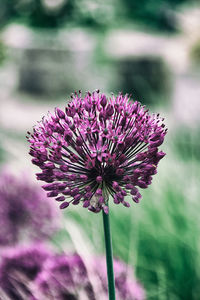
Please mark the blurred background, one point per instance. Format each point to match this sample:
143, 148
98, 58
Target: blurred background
150, 49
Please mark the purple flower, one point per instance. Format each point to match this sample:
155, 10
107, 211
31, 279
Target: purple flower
23, 211
64, 277
20, 266
67, 277
97, 143
35, 273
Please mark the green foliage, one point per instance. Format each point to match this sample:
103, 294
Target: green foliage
195, 52
156, 14
187, 144
54, 14
36, 13
1, 154
2, 52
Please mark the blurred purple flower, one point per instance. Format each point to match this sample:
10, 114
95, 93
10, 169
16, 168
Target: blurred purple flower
18, 267
23, 211
109, 145
66, 277
33, 273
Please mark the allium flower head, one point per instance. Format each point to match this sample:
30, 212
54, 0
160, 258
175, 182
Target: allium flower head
67, 277
97, 147
36, 273
23, 211
64, 277
18, 267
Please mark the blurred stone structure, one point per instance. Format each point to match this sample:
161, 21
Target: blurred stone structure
42, 71
146, 77
141, 65
52, 62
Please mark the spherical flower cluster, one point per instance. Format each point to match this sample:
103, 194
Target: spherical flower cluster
34, 273
18, 267
97, 147
64, 277
23, 211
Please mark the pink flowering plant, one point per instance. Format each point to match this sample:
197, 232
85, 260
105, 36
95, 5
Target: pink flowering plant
19, 199
98, 147
35, 272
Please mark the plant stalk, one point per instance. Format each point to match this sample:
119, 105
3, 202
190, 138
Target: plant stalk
109, 256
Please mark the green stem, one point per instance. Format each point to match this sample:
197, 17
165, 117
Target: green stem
109, 256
